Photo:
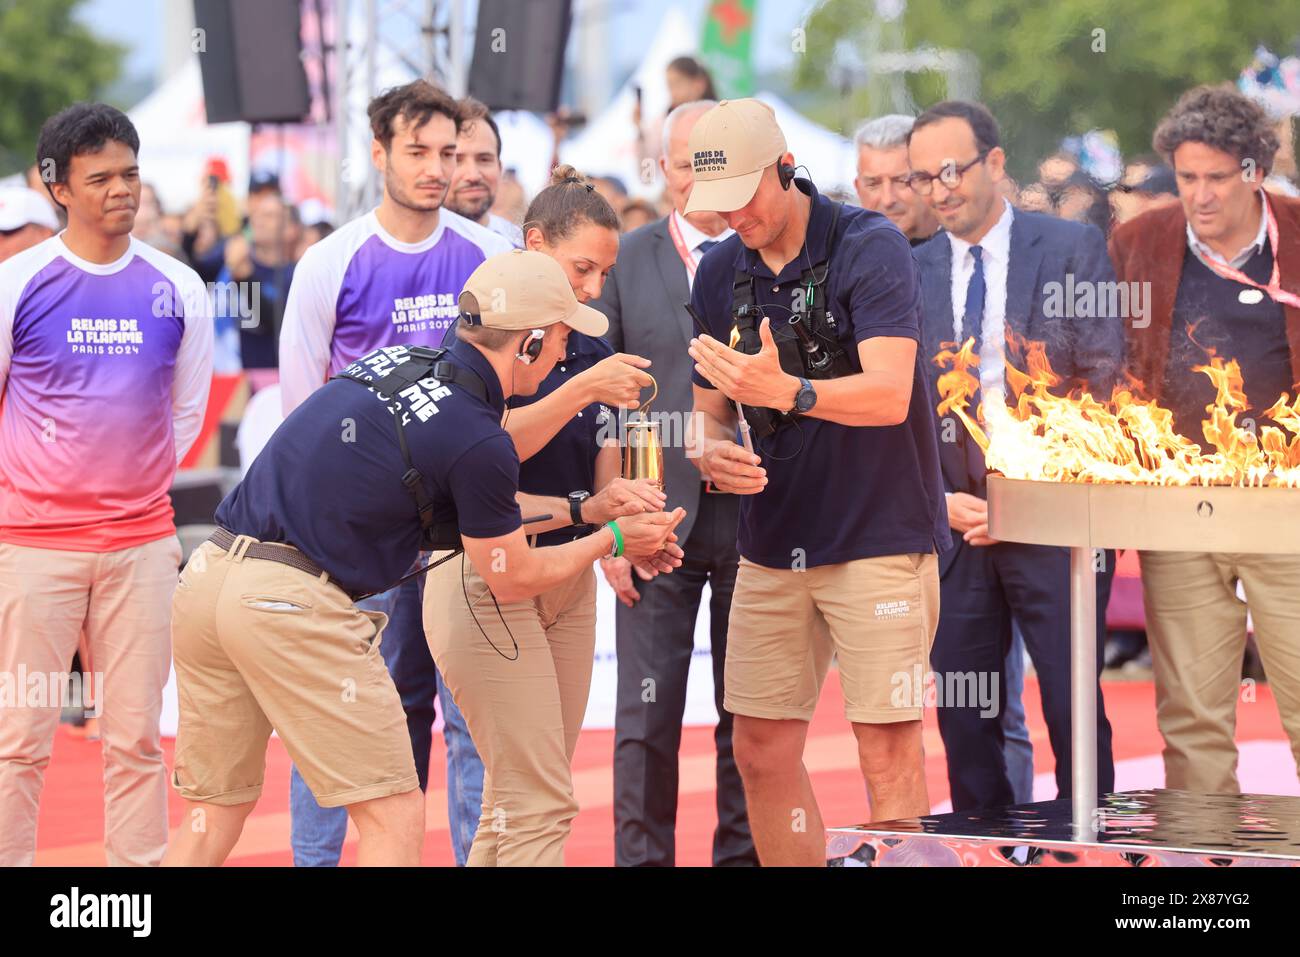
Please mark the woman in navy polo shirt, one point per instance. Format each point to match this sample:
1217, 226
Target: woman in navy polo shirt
520, 672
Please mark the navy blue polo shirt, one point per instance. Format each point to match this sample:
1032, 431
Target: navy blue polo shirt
837, 493
567, 463
1209, 315
329, 481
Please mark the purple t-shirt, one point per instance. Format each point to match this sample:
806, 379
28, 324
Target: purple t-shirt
360, 289
104, 376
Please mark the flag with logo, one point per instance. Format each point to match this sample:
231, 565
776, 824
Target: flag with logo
725, 50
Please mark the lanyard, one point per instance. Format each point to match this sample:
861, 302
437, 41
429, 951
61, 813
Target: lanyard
688, 258
1274, 287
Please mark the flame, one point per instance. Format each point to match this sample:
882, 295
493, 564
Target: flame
735, 337
1077, 438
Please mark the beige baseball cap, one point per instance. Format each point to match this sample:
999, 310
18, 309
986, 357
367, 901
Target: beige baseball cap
730, 147
524, 289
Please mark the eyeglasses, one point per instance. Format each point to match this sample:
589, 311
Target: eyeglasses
950, 176
875, 182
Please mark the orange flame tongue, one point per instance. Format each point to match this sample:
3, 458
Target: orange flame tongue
958, 385
1077, 438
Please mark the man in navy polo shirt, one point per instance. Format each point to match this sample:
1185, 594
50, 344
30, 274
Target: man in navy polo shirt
386, 278
845, 509
266, 633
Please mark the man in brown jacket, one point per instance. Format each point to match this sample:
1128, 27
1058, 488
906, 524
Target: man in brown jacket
1223, 264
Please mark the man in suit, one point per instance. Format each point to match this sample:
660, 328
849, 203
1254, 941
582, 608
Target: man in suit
645, 298
884, 184
986, 275
1224, 261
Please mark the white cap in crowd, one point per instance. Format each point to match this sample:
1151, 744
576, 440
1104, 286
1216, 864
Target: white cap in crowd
20, 206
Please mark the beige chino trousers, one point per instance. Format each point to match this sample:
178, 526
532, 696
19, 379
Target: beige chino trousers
1196, 628
122, 601
520, 677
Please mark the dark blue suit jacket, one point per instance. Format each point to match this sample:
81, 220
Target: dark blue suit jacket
1082, 351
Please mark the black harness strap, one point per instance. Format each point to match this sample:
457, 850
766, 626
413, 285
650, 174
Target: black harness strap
815, 331
814, 276
744, 287
422, 363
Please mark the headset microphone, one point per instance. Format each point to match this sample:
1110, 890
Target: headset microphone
531, 346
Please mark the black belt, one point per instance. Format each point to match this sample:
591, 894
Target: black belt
284, 554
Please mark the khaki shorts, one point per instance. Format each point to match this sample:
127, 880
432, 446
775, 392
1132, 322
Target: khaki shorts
877, 615
260, 645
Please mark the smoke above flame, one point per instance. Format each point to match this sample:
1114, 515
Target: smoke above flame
1078, 438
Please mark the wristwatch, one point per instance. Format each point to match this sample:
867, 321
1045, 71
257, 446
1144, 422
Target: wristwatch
805, 398
575, 506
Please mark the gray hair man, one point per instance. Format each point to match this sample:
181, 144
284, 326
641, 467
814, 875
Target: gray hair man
882, 180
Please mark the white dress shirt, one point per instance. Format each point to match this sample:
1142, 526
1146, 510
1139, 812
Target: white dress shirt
692, 237
996, 255
504, 227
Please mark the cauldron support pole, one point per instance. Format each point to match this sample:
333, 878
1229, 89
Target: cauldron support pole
1083, 691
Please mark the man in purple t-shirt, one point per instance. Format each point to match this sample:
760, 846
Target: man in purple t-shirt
105, 364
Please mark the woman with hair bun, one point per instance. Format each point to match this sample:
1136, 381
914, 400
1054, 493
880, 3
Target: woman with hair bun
520, 672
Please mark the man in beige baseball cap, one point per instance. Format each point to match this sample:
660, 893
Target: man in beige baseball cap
744, 172
811, 580
731, 146
403, 451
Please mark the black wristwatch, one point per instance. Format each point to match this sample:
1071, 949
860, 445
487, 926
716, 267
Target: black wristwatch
805, 398
575, 506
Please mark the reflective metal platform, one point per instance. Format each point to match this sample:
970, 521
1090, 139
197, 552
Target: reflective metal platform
1158, 828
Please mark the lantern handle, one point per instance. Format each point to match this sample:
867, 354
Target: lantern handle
646, 404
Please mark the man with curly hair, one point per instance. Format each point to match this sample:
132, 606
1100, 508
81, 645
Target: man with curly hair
1224, 269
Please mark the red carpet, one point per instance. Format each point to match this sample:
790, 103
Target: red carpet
71, 825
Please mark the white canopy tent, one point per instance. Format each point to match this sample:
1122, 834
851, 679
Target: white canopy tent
526, 146
176, 140
607, 145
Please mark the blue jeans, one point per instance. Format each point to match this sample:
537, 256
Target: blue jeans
1017, 748
317, 833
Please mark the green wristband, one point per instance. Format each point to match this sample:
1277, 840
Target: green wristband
618, 538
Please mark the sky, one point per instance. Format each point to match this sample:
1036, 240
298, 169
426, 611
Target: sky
138, 25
